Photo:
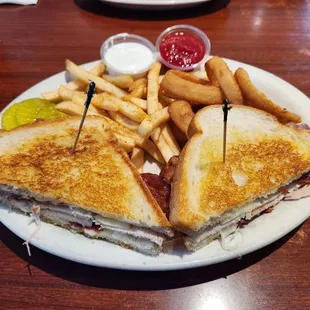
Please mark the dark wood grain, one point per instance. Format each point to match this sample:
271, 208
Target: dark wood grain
34, 41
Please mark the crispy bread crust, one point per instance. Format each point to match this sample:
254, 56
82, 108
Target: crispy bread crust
91, 178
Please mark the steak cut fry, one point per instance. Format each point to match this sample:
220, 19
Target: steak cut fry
256, 99
181, 114
179, 88
218, 71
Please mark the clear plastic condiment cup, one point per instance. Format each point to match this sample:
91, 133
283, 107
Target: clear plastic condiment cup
130, 54
188, 30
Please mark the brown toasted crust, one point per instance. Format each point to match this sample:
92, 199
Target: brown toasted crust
282, 160
64, 120
150, 199
91, 178
195, 127
183, 220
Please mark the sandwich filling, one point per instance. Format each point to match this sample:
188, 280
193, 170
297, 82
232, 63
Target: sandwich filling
231, 220
92, 225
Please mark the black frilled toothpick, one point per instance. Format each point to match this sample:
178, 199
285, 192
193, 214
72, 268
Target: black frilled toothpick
90, 93
225, 108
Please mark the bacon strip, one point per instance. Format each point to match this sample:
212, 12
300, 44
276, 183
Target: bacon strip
159, 189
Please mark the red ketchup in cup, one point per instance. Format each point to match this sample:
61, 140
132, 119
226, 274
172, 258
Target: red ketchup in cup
183, 47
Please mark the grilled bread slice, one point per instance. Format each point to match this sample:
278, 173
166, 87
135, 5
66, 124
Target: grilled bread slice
36, 164
262, 156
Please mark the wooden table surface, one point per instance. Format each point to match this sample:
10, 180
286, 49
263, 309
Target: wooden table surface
34, 41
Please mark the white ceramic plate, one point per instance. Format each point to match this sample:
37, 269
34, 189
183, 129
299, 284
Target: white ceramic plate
259, 233
154, 4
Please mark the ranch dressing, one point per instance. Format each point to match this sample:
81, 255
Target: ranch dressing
129, 57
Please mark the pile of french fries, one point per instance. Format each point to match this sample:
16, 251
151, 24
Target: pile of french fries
131, 108
153, 114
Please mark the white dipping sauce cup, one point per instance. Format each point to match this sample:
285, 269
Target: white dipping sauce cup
129, 54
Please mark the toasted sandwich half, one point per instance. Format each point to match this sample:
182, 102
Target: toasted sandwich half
96, 191
265, 162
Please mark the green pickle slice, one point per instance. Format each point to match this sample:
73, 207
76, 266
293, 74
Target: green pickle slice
28, 111
9, 118
49, 112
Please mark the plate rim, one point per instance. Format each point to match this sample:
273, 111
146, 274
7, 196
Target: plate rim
164, 267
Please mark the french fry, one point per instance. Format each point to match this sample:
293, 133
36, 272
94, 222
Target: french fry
150, 147
160, 78
165, 141
217, 69
100, 83
102, 112
138, 92
97, 102
170, 139
181, 114
67, 94
101, 102
78, 84
160, 117
121, 81
75, 85
125, 142
167, 133
161, 143
211, 75
98, 69
128, 109
144, 95
146, 127
190, 77
178, 88
131, 111
147, 145
125, 121
137, 157
152, 106
138, 83
179, 135
160, 106
153, 121
201, 74
163, 99
153, 87
69, 108
53, 95
141, 103
79, 99
72, 109
256, 99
